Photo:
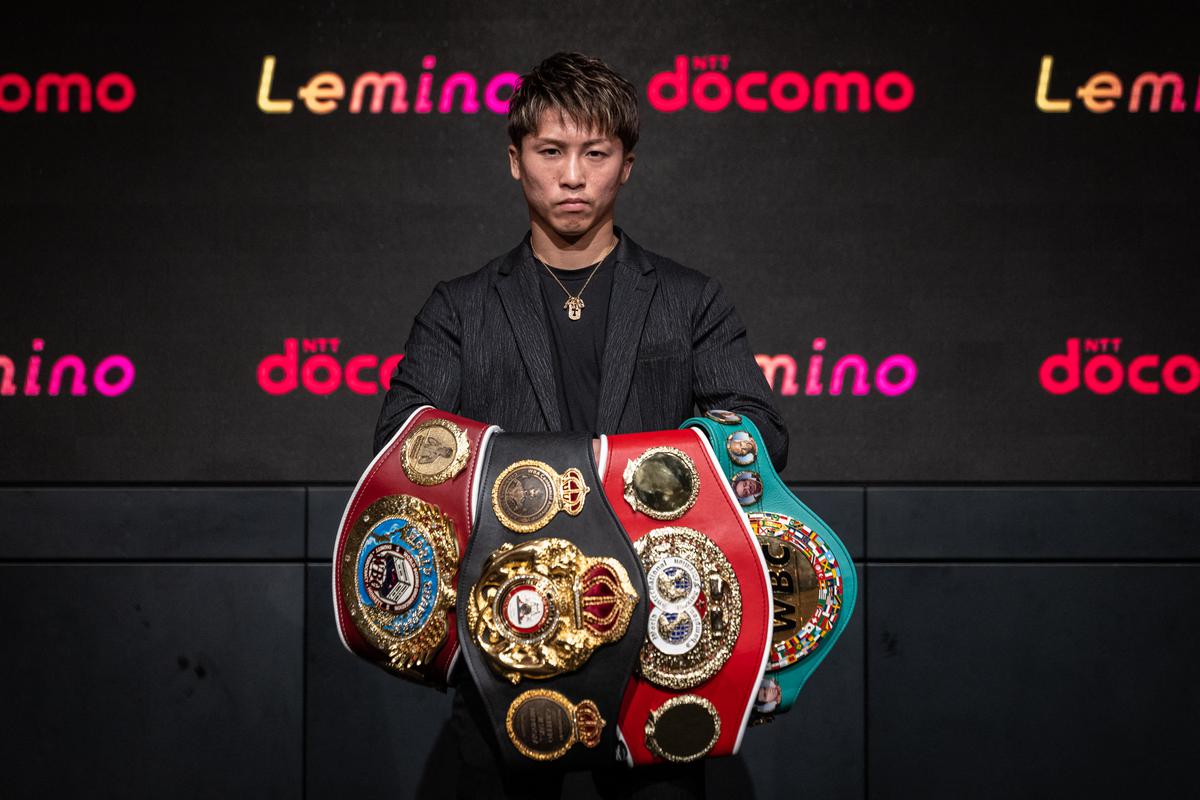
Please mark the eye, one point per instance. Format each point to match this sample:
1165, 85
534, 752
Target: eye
598, 154
549, 151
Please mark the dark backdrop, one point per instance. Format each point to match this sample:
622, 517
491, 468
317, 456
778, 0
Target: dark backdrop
1028, 555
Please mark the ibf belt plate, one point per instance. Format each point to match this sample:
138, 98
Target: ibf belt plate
806, 586
528, 493
397, 578
540, 608
695, 607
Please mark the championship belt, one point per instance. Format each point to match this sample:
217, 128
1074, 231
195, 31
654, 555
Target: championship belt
812, 577
708, 631
551, 606
397, 555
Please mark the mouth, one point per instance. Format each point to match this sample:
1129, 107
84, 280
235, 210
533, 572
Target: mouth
573, 204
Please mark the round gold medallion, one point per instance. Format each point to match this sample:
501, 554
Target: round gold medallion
527, 495
661, 483
543, 724
435, 451
695, 607
683, 729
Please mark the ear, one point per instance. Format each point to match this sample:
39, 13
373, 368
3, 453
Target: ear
514, 161
627, 166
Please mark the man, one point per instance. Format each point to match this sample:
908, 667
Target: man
577, 328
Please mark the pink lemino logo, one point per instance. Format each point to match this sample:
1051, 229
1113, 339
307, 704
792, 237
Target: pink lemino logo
1104, 91
713, 89
379, 92
68, 374
322, 372
893, 376
74, 91
1105, 370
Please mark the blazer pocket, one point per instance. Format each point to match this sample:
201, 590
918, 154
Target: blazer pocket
663, 390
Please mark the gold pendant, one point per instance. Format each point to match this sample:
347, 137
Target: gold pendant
574, 307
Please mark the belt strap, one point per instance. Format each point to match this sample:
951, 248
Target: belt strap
551, 608
812, 575
709, 598
396, 558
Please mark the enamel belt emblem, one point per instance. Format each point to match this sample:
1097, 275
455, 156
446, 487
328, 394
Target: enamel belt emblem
397, 578
695, 607
541, 608
806, 583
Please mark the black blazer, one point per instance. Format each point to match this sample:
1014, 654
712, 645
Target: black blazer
479, 347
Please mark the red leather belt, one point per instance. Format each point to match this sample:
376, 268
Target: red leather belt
400, 543
709, 626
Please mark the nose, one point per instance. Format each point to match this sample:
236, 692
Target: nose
572, 174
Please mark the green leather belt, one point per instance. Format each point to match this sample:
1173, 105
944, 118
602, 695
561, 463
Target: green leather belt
813, 581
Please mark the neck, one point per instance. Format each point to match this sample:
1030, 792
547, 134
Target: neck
571, 253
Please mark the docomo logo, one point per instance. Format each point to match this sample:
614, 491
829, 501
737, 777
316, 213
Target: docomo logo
114, 92
282, 373
1105, 373
113, 376
895, 375
712, 90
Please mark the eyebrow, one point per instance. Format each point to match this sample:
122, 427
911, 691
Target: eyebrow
559, 143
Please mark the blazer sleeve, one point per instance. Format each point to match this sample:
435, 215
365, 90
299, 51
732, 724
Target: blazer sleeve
726, 375
431, 369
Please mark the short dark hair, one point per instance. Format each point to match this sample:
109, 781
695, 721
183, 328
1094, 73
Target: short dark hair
582, 88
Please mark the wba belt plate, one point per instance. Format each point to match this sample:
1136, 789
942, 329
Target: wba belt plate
551, 603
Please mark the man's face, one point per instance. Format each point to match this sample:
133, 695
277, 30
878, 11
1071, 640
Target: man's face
570, 176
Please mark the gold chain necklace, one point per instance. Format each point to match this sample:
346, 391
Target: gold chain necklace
574, 303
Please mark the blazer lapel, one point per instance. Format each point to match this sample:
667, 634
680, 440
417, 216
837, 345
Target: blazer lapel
634, 281
522, 299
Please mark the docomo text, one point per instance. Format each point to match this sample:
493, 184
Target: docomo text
1100, 366
713, 89
56, 93
323, 370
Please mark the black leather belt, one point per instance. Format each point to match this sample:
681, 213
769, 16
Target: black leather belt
551, 607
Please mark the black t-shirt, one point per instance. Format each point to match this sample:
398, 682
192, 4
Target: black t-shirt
578, 344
